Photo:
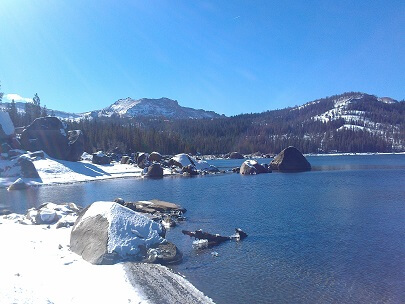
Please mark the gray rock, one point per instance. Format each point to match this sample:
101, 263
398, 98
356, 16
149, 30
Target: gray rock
27, 167
250, 167
142, 160
124, 159
90, 240
100, 159
155, 157
235, 155
290, 160
155, 170
190, 169
106, 232
19, 184
5, 148
76, 145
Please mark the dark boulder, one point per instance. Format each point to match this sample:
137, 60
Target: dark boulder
155, 157
27, 167
190, 169
155, 170
100, 158
235, 155
166, 253
47, 134
125, 159
142, 160
76, 145
290, 160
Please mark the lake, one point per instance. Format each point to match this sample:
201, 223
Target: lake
335, 234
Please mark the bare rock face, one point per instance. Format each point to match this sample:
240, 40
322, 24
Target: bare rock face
290, 160
107, 232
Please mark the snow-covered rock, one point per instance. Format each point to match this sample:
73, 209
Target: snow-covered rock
107, 232
251, 167
182, 160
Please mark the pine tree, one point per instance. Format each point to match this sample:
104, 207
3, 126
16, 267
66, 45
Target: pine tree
36, 101
44, 111
12, 111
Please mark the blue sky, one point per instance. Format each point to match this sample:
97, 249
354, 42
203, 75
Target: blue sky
227, 56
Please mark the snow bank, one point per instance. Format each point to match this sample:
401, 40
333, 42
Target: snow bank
38, 267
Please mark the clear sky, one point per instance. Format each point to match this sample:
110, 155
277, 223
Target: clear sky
227, 56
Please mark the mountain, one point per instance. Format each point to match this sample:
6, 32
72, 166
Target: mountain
151, 108
349, 122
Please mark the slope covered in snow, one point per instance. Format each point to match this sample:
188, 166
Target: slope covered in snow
145, 107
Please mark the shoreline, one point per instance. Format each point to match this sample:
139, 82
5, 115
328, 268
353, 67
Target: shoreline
55, 172
38, 267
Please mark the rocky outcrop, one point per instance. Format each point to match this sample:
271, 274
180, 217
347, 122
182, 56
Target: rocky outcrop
189, 169
50, 135
290, 160
155, 171
125, 159
106, 233
100, 158
235, 155
251, 167
6, 127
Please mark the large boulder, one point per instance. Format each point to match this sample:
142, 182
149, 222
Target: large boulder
235, 155
76, 145
47, 134
181, 160
250, 167
100, 158
155, 157
106, 233
27, 167
142, 160
155, 170
290, 160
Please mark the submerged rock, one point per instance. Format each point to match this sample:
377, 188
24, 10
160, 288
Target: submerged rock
106, 233
290, 160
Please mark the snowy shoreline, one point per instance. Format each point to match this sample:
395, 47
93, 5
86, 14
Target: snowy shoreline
38, 267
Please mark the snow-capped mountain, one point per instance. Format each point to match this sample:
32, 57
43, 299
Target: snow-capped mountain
145, 107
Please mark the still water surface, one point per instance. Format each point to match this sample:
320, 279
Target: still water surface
335, 234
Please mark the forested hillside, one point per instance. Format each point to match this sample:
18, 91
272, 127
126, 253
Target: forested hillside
350, 122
